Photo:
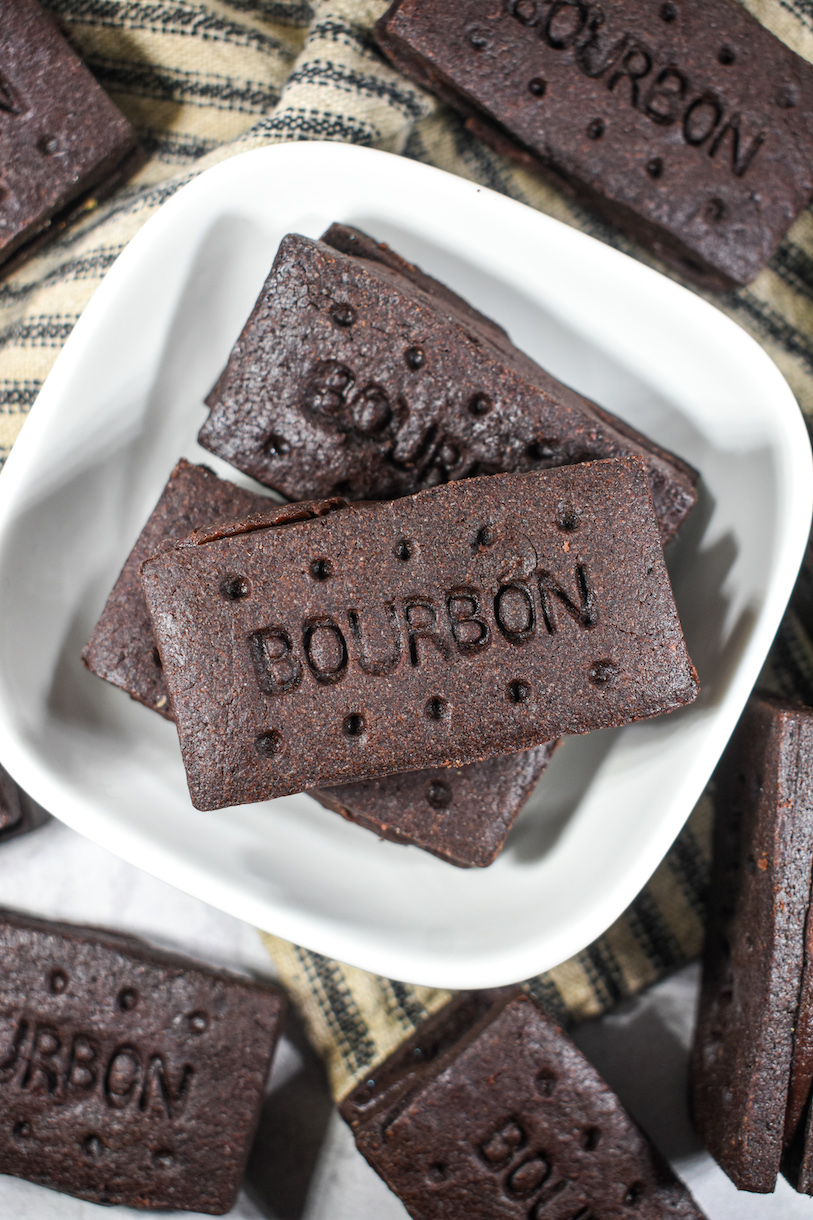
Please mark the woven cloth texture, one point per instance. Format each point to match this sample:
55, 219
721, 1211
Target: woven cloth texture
205, 80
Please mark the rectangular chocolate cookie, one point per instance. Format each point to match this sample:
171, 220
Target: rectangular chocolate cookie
358, 375
489, 1112
479, 618
461, 814
18, 813
61, 137
685, 123
122, 648
752, 971
128, 1075
797, 1159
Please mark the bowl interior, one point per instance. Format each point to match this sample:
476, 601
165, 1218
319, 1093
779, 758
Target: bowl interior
125, 400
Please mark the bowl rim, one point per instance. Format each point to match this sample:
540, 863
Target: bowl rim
551, 946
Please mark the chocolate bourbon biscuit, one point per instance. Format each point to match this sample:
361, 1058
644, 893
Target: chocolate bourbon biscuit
122, 648
797, 1159
752, 972
496, 1115
60, 135
685, 123
461, 814
479, 618
127, 1075
358, 375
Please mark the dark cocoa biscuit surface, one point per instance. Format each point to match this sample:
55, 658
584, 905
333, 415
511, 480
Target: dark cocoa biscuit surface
358, 375
475, 619
60, 135
797, 1160
122, 648
127, 1075
685, 124
752, 972
461, 814
504, 1119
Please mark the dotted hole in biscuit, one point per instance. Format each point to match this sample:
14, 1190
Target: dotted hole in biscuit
590, 1138
403, 550
518, 691
546, 1082
542, 449
198, 1022
22, 1131
93, 1147
634, 1193
437, 1172
436, 708
603, 672
596, 129
321, 569
163, 1158
343, 314
726, 56
485, 536
715, 210
568, 518
480, 404
277, 446
537, 86
655, 168
669, 12
353, 725
415, 357
58, 982
439, 795
269, 744
48, 145
234, 588
127, 999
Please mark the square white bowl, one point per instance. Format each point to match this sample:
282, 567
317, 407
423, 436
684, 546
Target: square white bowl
124, 401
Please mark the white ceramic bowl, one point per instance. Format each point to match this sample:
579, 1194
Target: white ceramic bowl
124, 401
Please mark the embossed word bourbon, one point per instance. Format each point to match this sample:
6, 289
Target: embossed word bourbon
127, 1075
685, 122
490, 1112
358, 375
473, 619
60, 135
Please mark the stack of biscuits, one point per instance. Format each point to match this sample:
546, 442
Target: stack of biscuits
471, 565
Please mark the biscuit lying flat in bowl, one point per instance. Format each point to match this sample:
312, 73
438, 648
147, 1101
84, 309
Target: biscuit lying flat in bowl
359, 375
478, 618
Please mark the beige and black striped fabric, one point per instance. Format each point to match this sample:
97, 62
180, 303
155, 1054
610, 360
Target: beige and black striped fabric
205, 79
